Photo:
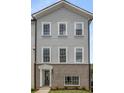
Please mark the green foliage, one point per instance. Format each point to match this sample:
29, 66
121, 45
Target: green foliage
32, 90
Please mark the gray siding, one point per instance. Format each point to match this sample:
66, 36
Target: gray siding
62, 15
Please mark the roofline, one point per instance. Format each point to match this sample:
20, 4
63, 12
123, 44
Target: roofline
45, 9
79, 7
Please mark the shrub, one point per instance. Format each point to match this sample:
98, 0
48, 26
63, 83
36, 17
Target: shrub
52, 88
56, 88
32, 89
61, 88
77, 88
65, 87
83, 88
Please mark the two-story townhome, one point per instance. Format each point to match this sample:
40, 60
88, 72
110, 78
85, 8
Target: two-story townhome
61, 51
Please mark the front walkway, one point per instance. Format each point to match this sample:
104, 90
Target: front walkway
43, 90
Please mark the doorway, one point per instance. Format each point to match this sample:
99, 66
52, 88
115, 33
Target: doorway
46, 77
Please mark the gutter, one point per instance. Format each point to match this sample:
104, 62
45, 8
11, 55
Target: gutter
89, 21
35, 50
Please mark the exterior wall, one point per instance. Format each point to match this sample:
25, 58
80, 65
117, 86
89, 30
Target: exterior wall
70, 41
59, 71
54, 41
32, 53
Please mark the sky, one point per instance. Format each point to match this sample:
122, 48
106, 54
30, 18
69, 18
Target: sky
37, 5
40, 4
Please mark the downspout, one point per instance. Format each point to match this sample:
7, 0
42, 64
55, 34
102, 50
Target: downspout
35, 53
89, 21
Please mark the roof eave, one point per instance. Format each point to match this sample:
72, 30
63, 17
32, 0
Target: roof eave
90, 15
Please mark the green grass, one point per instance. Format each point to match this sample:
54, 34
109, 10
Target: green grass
68, 91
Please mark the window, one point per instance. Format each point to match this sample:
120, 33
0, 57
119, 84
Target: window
79, 55
62, 28
46, 29
71, 80
79, 28
62, 54
46, 54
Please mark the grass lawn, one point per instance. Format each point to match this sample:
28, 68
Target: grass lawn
68, 91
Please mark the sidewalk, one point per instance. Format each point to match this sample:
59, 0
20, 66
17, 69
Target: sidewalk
43, 90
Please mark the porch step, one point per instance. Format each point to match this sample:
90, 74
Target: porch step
43, 90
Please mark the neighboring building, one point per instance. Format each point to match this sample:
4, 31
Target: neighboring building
61, 46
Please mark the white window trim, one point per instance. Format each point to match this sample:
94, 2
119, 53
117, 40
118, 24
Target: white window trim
59, 55
42, 55
42, 23
71, 76
75, 28
75, 55
59, 29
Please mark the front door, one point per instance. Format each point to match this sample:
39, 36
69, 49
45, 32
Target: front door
47, 77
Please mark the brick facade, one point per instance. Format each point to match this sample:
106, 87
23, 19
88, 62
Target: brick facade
59, 71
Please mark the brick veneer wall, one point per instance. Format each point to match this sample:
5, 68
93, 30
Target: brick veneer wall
59, 71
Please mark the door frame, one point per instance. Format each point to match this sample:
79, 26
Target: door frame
45, 67
42, 77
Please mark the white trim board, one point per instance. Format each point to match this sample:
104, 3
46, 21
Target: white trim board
58, 63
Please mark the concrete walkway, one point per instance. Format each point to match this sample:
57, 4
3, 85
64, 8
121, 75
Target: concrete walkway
43, 90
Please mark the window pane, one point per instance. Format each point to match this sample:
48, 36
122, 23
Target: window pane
62, 55
46, 29
78, 55
62, 29
46, 55
71, 80
79, 26
78, 29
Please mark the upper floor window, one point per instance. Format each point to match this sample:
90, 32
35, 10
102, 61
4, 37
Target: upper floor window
46, 54
79, 28
62, 28
46, 28
79, 55
62, 54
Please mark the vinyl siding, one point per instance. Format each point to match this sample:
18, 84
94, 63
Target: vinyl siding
62, 15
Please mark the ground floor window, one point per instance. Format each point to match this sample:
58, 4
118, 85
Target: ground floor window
71, 80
